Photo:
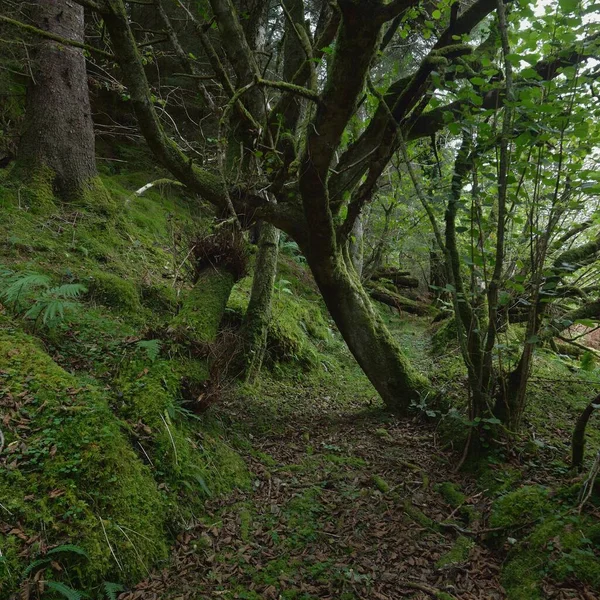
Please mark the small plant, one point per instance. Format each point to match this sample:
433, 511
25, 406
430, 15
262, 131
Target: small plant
49, 302
51, 560
151, 348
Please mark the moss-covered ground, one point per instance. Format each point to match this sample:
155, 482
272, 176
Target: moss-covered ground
297, 486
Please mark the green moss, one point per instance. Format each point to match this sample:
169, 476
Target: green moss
75, 471
191, 458
203, 306
451, 494
113, 291
444, 336
563, 547
380, 483
521, 576
160, 298
96, 198
526, 504
458, 554
297, 331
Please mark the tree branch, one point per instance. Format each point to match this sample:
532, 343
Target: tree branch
54, 37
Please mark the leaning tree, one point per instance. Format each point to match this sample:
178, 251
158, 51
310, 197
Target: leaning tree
304, 147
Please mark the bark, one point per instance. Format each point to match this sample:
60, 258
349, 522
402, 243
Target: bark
578, 442
58, 134
365, 333
313, 227
258, 314
356, 246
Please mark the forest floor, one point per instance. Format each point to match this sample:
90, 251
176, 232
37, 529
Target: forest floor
347, 502
343, 505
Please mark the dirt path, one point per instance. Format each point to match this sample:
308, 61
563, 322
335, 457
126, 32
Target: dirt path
340, 508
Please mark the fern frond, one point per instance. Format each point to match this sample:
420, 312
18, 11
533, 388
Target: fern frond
36, 565
112, 589
68, 290
63, 590
68, 548
152, 348
20, 284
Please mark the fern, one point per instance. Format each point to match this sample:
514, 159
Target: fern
68, 548
19, 284
64, 590
49, 304
152, 348
112, 589
36, 565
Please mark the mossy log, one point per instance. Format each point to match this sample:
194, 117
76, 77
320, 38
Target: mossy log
401, 279
401, 303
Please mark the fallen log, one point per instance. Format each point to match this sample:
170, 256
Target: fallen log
401, 279
401, 303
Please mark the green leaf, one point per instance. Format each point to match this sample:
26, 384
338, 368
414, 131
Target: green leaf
436, 14
568, 6
477, 81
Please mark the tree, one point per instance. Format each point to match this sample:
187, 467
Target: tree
57, 141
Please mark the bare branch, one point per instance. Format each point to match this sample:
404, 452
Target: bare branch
54, 37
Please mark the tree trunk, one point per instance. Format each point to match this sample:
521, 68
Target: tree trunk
57, 142
356, 246
578, 443
258, 314
365, 333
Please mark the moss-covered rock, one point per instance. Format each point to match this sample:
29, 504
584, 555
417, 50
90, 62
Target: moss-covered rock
563, 547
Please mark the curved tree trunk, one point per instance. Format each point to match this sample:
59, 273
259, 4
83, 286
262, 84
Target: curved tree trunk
578, 443
58, 134
365, 333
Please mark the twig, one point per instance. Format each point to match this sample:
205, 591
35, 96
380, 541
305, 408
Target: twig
422, 587
588, 484
1, 441
110, 545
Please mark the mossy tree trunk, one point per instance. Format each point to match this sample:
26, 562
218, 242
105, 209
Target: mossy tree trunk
365, 333
258, 314
57, 141
204, 306
309, 215
578, 442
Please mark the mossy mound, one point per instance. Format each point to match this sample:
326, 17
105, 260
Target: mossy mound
524, 505
113, 291
187, 454
69, 469
564, 547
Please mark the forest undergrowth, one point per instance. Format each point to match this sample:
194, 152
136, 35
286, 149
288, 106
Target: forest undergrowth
298, 486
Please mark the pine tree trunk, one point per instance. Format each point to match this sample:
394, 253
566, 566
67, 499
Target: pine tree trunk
258, 314
58, 135
365, 333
